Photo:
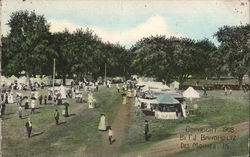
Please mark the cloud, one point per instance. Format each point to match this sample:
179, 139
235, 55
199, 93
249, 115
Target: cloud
155, 25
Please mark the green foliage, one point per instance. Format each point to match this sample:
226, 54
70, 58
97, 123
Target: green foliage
235, 48
31, 47
27, 46
173, 58
216, 110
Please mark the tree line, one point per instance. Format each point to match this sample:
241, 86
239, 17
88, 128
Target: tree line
31, 47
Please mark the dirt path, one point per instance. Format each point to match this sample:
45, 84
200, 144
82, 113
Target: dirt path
120, 128
173, 145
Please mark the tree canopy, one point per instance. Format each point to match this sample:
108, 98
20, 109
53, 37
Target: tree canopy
31, 47
235, 46
173, 58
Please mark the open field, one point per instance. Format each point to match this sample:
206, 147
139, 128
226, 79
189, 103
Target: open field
78, 135
71, 137
215, 110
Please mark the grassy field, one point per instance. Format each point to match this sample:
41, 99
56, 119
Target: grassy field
78, 134
71, 138
215, 110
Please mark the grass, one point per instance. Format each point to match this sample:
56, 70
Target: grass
216, 110
71, 138
79, 134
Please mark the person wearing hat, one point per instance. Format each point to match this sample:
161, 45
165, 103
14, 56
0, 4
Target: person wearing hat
32, 105
110, 133
45, 99
40, 98
28, 126
146, 130
118, 88
20, 111
56, 116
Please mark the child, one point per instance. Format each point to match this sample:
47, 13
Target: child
110, 133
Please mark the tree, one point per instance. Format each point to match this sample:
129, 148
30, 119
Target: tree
152, 57
27, 46
173, 58
236, 49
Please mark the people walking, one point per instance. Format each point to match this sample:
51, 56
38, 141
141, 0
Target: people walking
110, 133
102, 123
28, 126
20, 112
204, 91
45, 99
56, 116
146, 130
118, 88
40, 98
33, 103
3, 108
225, 90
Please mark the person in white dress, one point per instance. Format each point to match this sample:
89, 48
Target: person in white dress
102, 123
11, 98
33, 105
91, 100
63, 92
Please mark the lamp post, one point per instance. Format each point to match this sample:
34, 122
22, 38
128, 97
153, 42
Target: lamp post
54, 70
105, 75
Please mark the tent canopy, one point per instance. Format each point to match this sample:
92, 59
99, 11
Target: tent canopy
22, 79
166, 99
174, 94
12, 78
153, 85
191, 93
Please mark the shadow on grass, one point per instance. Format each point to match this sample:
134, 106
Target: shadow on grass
37, 134
25, 117
72, 114
36, 112
148, 113
113, 141
62, 123
5, 118
7, 114
84, 101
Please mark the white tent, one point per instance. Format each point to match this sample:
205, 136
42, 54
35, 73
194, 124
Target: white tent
5, 81
12, 78
22, 80
59, 81
190, 93
68, 82
46, 80
153, 85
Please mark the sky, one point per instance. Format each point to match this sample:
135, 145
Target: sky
127, 21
